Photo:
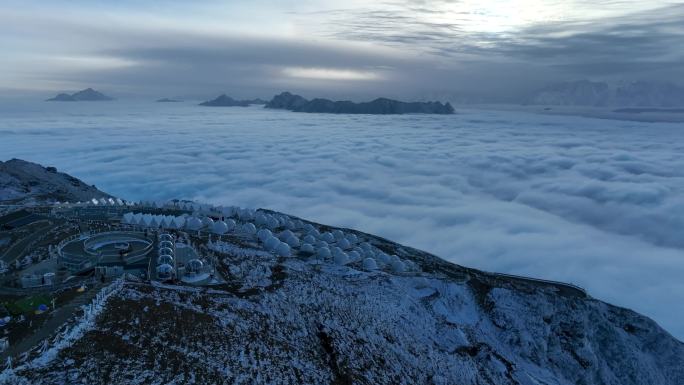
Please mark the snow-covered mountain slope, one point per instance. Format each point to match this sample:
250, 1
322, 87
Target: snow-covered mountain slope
301, 320
23, 182
600, 94
407, 318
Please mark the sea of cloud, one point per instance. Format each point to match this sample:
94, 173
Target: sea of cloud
598, 203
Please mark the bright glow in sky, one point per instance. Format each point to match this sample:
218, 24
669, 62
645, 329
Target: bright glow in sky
426, 48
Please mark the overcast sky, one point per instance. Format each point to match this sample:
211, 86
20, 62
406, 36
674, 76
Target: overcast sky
355, 49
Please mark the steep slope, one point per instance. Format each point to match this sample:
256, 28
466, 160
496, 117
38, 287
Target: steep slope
23, 182
406, 317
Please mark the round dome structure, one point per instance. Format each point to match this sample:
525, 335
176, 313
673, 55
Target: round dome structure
369, 264
283, 249
220, 228
323, 253
307, 248
194, 266
165, 259
271, 243
165, 272
166, 250
167, 244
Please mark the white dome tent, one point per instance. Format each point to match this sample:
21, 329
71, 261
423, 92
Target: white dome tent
341, 258
369, 264
193, 223
249, 228
165, 259
283, 249
208, 223
307, 248
292, 241
338, 234
344, 244
271, 243
165, 272
328, 237
264, 234
220, 228
323, 253
194, 266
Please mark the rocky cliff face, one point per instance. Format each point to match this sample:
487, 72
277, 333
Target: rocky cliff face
380, 106
23, 182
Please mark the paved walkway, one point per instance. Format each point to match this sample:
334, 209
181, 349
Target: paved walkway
57, 319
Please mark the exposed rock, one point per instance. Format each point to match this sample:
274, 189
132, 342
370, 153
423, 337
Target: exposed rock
227, 101
87, 95
23, 182
380, 106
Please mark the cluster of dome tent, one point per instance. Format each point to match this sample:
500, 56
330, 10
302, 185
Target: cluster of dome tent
279, 234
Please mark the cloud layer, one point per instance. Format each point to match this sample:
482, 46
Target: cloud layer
457, 50
594, 202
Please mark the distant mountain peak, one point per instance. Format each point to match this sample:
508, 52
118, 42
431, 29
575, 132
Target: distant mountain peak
602, 94
224, 100
379, 106
86, 95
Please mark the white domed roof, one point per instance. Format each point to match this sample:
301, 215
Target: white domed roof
220, 227
307, 248
283, 249
194, 266
398, 266
369, 264
341, 258
167, 244
231, 224
344, 244
249, 228
309, 239
323, 253
193, 223
338, 234
328, 237
165, 250
264, 234
165, 271
285, 234
271, 243
165, 260
293, 241
208, 222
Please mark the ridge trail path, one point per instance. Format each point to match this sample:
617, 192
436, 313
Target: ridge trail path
57, 318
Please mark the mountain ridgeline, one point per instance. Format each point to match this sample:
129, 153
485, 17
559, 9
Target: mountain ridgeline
601, 94
226, 101
380, 106
377, 313
87, 95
